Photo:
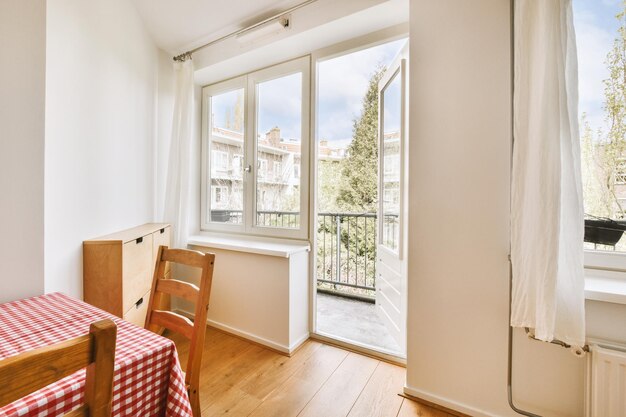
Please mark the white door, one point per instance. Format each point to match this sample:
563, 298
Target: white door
391, 248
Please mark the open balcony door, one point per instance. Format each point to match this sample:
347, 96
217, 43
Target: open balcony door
392, 201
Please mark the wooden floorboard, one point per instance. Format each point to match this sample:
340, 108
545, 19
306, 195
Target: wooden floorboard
240, 378
380, 397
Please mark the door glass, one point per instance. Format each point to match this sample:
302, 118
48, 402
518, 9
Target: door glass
278, 156
226, 136
392, 120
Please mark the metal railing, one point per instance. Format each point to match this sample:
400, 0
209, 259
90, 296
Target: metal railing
346, 253
346, 246
287, 219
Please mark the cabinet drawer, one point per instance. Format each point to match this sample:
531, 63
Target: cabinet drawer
137, 313
161, 238
137, 270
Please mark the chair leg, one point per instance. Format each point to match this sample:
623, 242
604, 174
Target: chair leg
194, 399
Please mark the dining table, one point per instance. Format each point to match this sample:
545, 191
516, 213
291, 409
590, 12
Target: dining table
148, 380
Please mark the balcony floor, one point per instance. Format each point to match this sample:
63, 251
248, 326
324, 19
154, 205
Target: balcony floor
353, 320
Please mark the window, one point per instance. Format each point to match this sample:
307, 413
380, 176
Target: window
259, 123
219, 195
220, 160
237, 164
391, 120
278, 170
262, 168
600, 31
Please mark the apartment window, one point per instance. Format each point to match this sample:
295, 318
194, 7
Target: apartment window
220, 160
237, 163
262, 168
600, 38
262, 120
219, 195
278, 170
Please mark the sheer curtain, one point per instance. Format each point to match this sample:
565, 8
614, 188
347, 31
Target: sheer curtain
547, 217
178, 172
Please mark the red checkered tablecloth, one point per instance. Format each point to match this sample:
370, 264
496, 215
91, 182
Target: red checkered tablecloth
147, 381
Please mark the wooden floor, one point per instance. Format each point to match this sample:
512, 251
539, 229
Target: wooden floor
240, 378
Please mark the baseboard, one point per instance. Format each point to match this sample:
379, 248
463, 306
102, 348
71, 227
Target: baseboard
446, 403
298, 344
286, 350
250, 336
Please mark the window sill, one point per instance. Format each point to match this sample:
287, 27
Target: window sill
607, 286
260, 246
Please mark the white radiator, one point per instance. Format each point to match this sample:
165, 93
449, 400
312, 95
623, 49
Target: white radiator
606, 381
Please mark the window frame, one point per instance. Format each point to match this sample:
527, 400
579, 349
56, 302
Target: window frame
206, 168
249, 83
220, 156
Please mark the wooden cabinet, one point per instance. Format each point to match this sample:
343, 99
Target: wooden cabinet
118, 270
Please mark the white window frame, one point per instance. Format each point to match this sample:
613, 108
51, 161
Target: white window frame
238, 157
383, 36
277, 169
223, 192
263, 171
249, 83
205, 203
220, 159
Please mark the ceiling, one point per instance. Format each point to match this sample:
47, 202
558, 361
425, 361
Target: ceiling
177, 26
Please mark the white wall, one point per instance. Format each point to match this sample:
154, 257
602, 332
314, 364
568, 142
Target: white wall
22, 95
101, 92
458, 225
460, 135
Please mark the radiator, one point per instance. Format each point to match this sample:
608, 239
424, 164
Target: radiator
606, 382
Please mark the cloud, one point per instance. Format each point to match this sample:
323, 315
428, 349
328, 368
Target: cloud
280, 104
342, 83
596, 29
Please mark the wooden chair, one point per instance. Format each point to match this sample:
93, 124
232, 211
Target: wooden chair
30, 371
194, 331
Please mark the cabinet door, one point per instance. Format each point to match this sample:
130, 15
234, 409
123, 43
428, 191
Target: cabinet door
137, 270
137, 313
160, 237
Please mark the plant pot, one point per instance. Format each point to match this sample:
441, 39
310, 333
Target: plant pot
603, 231
220, 216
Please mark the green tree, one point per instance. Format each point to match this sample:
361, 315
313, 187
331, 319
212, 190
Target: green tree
327, 173
603, 154
358, 189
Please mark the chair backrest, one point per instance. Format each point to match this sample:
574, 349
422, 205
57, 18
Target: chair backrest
192, 330
30, 371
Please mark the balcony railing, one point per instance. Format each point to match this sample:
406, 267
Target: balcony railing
346, 253
346, 246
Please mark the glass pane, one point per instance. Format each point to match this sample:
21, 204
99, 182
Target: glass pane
279, 130
392, 120
225, 163
600, 39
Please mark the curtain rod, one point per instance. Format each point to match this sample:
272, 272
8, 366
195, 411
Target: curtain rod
186, 55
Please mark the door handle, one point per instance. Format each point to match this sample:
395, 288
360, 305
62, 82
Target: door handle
248, 168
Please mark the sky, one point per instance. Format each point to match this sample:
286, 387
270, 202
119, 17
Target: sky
343, 82
596, 28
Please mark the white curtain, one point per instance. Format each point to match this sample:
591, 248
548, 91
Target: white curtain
547, 216
178, 172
